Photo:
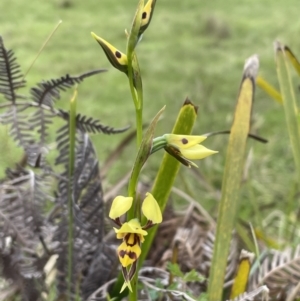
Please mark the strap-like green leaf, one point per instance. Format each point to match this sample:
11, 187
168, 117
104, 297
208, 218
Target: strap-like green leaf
292, 58
235, 158
289, 100
168, 169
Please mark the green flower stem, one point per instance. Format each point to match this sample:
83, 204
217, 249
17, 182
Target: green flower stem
133, 296
137, 104
72, 137
139, 126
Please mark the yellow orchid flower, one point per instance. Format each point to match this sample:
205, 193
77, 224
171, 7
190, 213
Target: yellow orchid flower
131, 232
183, 141
186, 147
133, 235
116, 57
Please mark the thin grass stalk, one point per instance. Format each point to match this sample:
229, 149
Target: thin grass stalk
72, 137
232, 177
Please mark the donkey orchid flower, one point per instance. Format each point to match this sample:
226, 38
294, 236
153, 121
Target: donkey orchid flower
183, 147
131, 232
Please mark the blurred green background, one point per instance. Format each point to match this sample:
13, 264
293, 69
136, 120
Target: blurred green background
194, 49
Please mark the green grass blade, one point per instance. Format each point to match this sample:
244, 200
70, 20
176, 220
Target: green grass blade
292, 58
72, 137
235, 158
289, 102
168, 170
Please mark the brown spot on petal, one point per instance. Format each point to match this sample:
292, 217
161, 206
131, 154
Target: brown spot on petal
144, 15
118, 54
130, 254
136, 240
184, 141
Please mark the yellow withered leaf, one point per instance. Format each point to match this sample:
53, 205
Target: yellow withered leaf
269, 89
242, 275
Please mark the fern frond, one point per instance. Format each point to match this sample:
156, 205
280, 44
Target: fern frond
103, 267
20, 129
279, 271
40, 121
46, 92
22, 226
90, 125
88, 205
11, 78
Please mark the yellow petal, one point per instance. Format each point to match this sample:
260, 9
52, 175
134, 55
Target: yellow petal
133, 226
120, 206
197, 152
128, 254
116, 57
183, 141
151, 209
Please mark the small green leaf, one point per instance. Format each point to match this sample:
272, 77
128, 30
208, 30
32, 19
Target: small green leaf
193, 276
174, 269
203, 297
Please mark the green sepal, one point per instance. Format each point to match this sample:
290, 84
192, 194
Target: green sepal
135, 28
